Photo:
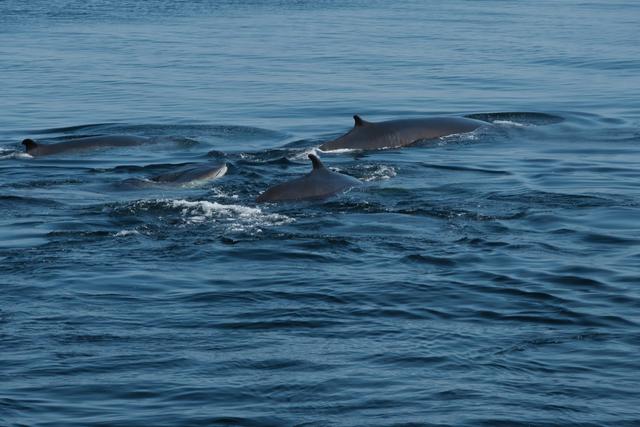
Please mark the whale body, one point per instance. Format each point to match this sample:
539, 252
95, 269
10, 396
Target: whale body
83, 144
181, 175
399, 133
192, 173
320, 183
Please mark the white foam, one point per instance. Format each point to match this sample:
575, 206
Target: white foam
509, 123
238, 217
337, 150
305, 154
467, 136
12, 154
378, 173
219, 193
124, 233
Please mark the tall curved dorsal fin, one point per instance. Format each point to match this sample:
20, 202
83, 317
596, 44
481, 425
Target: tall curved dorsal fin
29, 144
315, 160
358, 121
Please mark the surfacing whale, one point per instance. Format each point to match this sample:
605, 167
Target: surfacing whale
192, 173
83, 144
399, 133
181, 175
317, 184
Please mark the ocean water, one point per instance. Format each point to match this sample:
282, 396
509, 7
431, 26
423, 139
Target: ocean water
484, 279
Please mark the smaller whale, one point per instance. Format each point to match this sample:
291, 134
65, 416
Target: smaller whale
192, 173
320, 183
83, 144
399, 133
183, 175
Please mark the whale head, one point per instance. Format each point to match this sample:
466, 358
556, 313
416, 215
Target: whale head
29, 144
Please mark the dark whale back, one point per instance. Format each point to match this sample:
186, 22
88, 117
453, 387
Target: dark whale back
317, 184
83, 144
399, 133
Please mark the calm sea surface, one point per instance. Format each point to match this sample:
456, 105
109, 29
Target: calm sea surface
486, 279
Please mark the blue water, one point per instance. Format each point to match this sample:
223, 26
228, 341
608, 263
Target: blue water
486, 279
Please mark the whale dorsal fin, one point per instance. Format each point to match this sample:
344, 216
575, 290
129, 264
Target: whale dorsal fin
29, 144
358, 121
315, 160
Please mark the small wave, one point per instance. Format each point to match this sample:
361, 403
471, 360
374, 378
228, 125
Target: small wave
270, 157
124, 233
338, 150
237, 218
465, 169
552, 200
304, 155
509, 123
406, 360
608, 239
538, 341
201, 211
42, 183
517, 117
221, 194
12, 201
466, 136
376, 172
70, 129
430, 260
13, 154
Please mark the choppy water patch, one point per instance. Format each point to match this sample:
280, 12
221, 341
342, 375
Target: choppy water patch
241, 218
125, 233
220, 193
234, 217
304, 155
373, 172
13, 154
